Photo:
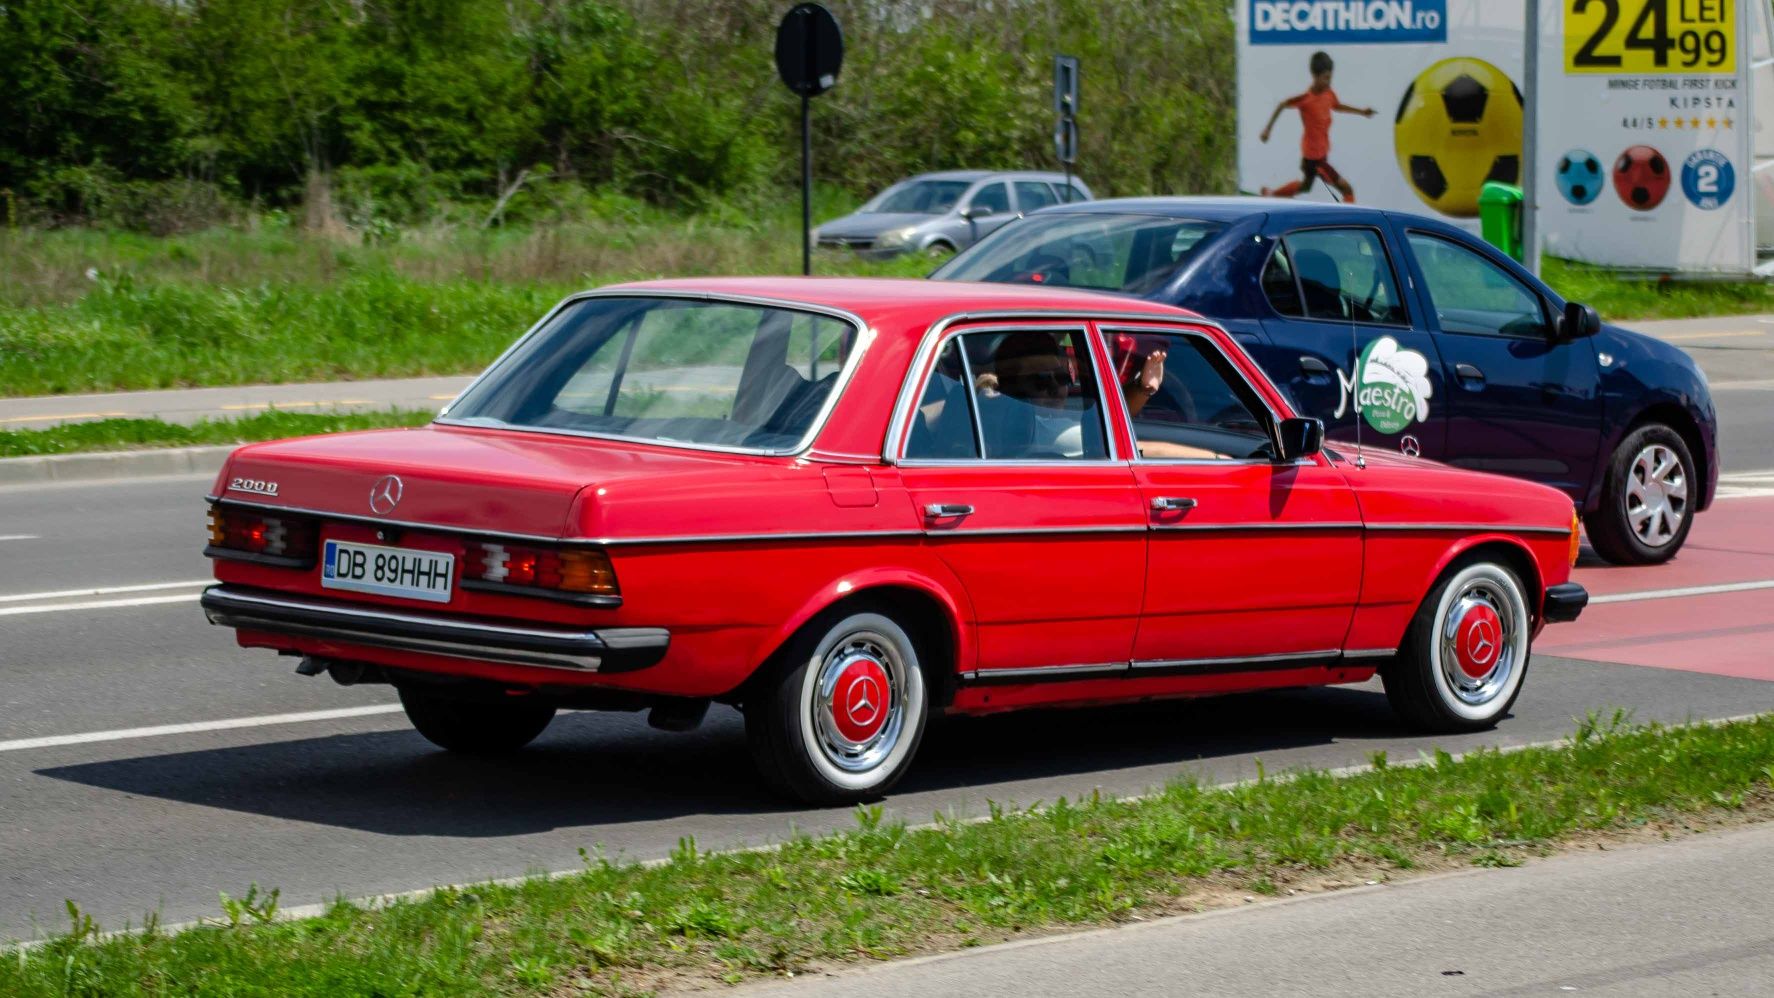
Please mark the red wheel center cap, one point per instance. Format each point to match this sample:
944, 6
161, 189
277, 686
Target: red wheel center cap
1481, 642
860, 700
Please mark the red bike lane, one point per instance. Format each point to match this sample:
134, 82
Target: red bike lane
1711, 609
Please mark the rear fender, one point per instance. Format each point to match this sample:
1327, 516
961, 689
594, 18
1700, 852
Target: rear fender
939, 585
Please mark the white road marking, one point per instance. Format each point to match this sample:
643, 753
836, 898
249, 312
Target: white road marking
1727, 587
195, 727
102, 590
18, 537
1714, 336
17, 611
1762, 384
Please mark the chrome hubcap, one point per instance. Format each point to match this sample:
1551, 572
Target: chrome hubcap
859, 704
1478, 656
1656, 496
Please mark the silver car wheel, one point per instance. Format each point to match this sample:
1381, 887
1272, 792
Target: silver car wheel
1656, 495
862, 702
1479, 649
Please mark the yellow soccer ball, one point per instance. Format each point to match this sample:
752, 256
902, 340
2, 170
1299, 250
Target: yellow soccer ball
1458, 126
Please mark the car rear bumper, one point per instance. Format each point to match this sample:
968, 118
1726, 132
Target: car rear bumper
1564, 602
605, 650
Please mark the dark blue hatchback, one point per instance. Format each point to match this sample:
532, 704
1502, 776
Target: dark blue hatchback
1411, 335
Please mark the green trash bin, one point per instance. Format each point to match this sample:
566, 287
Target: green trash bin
1499, 216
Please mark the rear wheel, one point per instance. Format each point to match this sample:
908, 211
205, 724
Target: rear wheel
1466, 652
475, 727
838, 715
1646, 506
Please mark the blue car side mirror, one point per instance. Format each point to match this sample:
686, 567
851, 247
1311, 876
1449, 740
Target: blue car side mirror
1578, 321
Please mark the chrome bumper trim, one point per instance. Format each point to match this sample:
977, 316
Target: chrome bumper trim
611, 649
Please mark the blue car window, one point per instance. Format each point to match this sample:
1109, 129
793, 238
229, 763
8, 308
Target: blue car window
1134, 254
1345, 276
1471, 294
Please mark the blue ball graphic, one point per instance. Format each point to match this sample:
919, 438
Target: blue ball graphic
1579, 176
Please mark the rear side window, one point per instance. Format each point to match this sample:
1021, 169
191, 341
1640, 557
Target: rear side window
1345, 275
1032, 195
1278, 283
1010, 396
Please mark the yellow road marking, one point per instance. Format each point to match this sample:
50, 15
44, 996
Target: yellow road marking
1719, 336
63, 416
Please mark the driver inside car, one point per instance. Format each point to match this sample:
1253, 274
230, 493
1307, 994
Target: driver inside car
1028, 415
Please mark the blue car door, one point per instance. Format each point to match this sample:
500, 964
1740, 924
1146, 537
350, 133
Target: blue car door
1343, 341
1520, 401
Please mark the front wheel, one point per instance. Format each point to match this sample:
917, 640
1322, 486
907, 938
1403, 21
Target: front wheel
1465, 653
838, 716
475, 727
1646, 506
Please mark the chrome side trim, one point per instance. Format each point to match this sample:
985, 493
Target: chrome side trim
609, 650
1041, 672
1137, 528
1357, 653
865, 335
1253, 525
912, 381
1473, 528
1251, 663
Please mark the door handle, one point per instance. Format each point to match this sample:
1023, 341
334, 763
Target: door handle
1172, 504
945, 510
1466, 372
1312, 366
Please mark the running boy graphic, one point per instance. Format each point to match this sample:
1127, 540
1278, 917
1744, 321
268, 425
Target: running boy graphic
1315, 107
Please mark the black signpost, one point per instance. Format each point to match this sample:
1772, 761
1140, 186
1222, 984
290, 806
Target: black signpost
1065, 108
809, 50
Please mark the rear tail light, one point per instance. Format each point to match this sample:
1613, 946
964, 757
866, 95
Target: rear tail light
572, 571
276, 539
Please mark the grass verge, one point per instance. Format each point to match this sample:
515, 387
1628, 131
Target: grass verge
1623, 299
886, 890
134, 434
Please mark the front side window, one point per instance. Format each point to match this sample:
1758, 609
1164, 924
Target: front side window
1344, 275
1032, 195
1010, 396
1134, 254
1186, 400
670, 371
992, 198
1473, 295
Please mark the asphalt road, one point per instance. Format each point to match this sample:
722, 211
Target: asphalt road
125, 822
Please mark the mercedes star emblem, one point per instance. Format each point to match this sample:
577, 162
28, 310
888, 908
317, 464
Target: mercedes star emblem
385, 494
860, 703
1411, 446
1481, 642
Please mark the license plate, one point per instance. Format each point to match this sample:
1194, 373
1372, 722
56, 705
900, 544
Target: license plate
371, 568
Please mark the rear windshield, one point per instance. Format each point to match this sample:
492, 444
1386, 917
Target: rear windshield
716, 374
1133, 254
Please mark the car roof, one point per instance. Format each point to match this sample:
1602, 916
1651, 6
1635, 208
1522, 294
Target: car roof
971, 175
876, 298
1211, 208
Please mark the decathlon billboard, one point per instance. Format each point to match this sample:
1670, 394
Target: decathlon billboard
1419, 105
1344, 22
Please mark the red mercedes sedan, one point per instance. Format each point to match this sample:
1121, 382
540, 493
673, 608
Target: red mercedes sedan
843, 505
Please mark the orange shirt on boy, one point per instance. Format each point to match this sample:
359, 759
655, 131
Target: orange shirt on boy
1315, 115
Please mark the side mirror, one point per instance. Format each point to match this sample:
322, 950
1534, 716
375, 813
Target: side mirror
1579, 321
977, 211
1301, 438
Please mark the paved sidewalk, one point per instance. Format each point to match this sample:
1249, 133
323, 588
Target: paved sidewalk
1736, 351
191, 404
1684, 918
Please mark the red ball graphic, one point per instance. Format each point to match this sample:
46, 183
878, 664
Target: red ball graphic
1641, 177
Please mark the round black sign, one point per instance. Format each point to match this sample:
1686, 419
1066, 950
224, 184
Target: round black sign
809, 49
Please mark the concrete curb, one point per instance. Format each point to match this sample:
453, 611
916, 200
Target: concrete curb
112, 465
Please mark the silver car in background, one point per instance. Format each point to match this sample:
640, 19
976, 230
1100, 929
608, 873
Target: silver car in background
940, 213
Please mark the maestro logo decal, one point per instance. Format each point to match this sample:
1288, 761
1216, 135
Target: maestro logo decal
1391, 386
1360, 22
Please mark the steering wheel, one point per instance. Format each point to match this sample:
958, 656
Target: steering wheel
1046, 268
